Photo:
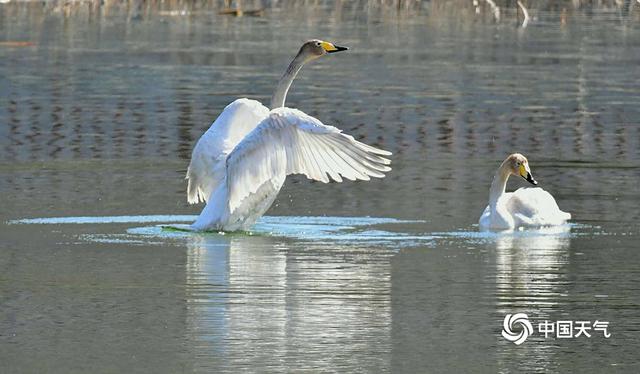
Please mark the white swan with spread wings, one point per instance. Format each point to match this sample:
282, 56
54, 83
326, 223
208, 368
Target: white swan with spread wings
240, 164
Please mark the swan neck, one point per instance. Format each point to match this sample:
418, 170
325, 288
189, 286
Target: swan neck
280, 94
499, 184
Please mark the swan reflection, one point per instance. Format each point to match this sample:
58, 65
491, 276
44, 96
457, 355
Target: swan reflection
257, 300
530, 267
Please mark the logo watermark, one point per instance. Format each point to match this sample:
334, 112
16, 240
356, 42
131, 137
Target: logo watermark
512, 320
516, 328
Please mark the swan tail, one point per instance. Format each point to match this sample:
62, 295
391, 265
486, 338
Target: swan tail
194, 193
203, 178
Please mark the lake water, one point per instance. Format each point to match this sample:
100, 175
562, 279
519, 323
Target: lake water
99, 112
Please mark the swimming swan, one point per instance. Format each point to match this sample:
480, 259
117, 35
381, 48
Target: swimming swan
524, 207
239, 165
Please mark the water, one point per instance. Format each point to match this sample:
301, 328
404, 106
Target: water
98, 118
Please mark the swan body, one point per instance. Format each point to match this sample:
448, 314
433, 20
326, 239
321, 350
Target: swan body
526, 207
240, 164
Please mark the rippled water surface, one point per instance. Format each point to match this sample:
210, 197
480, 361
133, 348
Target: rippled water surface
99, 111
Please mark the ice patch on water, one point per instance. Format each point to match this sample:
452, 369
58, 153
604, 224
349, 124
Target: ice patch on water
105, 219
328, 229
361, 230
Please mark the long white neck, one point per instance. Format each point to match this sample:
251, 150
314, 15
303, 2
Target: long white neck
280, 94
499, 184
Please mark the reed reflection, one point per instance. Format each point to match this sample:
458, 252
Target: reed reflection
116, 89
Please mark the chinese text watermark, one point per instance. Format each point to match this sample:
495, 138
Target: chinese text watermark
517, 328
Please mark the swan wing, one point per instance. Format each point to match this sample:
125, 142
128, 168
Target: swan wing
289, 141
207, 166
485, 217
535, 206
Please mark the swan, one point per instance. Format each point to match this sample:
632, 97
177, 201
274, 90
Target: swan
240, 163
531, 207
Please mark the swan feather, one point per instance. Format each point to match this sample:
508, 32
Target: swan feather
288, 142
207, 167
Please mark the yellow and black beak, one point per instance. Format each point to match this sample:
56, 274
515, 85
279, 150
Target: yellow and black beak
527, 175
331, 48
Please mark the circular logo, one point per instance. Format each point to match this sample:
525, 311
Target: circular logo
511, 320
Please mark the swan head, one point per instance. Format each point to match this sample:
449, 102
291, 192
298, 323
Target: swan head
519, 165
315, 48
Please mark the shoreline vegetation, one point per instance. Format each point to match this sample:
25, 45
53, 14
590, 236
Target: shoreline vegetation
518, 12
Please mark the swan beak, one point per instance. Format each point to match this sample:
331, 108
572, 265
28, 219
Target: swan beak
524, 173
531, 180
331, 48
